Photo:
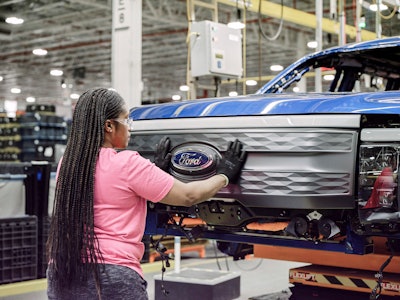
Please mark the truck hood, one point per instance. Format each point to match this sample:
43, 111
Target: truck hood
275, 104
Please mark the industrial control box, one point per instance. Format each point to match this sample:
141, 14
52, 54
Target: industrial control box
215, 50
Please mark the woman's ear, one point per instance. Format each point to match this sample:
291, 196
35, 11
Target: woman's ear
108, 126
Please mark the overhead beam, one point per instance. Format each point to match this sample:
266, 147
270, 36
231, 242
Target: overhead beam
299, 17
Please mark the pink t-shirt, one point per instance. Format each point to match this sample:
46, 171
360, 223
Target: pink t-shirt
123, 182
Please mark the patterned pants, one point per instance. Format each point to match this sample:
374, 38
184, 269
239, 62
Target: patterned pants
117, 283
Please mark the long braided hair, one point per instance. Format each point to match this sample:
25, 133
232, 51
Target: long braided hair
72, 247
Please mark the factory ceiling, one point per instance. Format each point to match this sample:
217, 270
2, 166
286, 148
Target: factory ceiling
77, 36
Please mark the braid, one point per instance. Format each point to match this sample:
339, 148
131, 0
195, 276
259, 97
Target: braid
72, 246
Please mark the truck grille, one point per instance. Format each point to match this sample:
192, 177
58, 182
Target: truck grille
285, 167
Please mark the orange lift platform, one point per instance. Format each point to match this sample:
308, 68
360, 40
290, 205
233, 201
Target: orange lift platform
332, 274
325, 282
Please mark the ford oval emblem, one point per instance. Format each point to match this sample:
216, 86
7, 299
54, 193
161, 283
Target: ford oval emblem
194, 159
191, 160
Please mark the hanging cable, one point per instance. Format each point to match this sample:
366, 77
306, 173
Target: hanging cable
260, 23
217, 82
159, 247
252, 268
216, 255
163, 289
376, 292
391, 15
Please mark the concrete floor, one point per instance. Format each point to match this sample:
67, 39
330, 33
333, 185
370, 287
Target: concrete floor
258, 277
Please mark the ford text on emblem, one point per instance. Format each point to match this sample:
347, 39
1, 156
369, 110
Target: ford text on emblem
194, 160
191, 160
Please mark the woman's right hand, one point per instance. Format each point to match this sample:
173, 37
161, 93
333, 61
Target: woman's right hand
162, 156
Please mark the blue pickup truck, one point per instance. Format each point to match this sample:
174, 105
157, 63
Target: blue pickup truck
324, 164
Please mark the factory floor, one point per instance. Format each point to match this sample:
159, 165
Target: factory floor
259, 278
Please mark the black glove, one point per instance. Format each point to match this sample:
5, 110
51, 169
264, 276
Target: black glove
162, 156
233, 161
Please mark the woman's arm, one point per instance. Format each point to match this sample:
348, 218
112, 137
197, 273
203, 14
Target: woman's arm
188, 194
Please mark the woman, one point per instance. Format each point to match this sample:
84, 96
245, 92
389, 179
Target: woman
94, 246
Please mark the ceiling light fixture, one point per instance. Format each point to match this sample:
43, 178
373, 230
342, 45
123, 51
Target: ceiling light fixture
30, 99
312, 44
15, 90
39, 51
374, 7
329, 77
276, 68
233, 94
1, 78
56, 72
176, 97
74, 96
251, 82
14, 20
184, 88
